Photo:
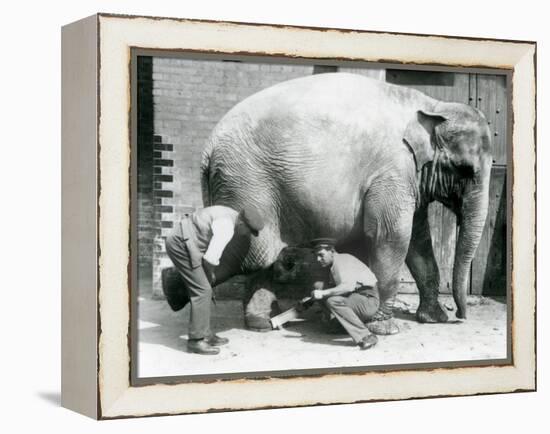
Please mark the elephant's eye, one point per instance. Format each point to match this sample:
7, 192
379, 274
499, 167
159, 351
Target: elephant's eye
464, 170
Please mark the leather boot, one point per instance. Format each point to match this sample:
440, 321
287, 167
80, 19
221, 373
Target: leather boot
368, 341
201, 346
216, 341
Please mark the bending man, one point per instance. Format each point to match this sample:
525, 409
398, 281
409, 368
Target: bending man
195, 247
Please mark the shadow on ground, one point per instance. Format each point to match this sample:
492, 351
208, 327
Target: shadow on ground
305, 343
159, 325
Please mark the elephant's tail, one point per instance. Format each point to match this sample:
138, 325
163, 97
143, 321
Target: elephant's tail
205, 174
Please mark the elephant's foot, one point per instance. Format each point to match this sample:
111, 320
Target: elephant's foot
262, 306
431, 313
383, 327
257, 323
382, 322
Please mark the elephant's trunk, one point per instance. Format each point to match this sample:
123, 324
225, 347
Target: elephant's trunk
473, 213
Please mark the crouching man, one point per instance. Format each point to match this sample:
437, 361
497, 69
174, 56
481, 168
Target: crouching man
195, 246
352, 296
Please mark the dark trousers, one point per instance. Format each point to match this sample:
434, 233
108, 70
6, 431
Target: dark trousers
354, 310
200, 290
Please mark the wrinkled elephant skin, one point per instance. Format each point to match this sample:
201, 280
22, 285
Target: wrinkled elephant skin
344, 156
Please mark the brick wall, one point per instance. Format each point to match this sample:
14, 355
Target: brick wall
190, 97
180, 101
145, 212
185, 99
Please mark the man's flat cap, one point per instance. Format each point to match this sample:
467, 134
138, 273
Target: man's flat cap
318, 243
253, 219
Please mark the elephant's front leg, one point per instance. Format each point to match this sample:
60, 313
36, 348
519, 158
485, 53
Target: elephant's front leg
386, 265
423, 267
388, 231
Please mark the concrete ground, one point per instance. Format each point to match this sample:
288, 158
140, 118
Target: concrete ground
305, 343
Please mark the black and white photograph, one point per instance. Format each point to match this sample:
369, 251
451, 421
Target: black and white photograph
285, 217
296, 217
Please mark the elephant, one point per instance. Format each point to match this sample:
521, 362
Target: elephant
359, 160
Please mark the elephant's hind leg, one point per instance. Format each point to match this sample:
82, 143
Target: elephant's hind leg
260, 302
423, 267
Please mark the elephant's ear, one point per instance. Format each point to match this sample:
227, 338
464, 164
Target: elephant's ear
418, 135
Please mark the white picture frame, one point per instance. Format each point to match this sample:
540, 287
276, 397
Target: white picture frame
96, 294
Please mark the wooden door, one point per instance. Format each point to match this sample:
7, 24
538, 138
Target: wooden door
488, 276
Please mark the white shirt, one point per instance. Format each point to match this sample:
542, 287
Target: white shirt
347, 268
223, 229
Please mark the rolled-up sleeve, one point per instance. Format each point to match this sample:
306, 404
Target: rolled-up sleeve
222, 232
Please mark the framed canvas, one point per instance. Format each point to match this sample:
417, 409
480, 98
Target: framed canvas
378, 192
